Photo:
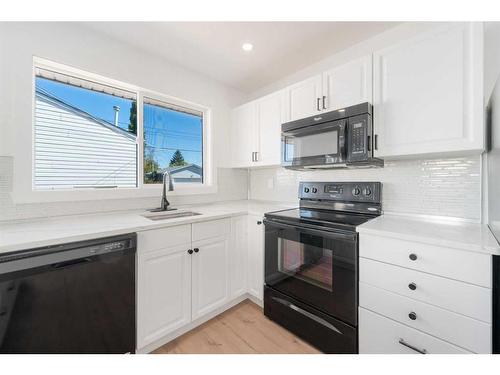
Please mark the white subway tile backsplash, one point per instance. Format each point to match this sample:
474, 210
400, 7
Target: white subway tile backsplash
232, 185
443, 187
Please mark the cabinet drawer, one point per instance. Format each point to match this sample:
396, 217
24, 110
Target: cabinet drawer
467, 299
211, 229
460, 330
161, 238
380, 335
442, 261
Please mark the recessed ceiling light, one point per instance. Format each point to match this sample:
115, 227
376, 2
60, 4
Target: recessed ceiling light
247, 47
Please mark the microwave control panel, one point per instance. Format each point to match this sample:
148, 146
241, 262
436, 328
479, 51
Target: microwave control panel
359, 138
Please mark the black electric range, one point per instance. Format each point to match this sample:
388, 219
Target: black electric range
311, 262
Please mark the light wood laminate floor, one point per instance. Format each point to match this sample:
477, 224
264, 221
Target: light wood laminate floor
242, 329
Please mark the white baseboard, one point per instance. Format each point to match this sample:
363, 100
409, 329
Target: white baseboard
172, 335
256, 300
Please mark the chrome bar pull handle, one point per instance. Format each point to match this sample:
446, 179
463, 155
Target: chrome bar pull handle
404, 343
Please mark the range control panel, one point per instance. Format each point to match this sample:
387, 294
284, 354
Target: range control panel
342, 191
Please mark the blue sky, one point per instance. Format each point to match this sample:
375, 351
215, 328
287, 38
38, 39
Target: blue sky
166, 130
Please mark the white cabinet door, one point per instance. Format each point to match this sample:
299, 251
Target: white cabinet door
255, 256
428, 93
243, 135
238, 256
210, 265
163, 292
348, 84
304, 98
270, 111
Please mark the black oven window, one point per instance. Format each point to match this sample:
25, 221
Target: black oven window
306, 260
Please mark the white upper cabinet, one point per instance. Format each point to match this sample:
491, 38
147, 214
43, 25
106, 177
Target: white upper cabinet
270, 112
340, 87
256, 132
304, 99
347, 84
243, 135
428, 93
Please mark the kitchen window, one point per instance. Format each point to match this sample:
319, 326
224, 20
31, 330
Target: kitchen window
96, 137
173, 142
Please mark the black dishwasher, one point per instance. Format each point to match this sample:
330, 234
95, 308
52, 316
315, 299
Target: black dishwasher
72, 298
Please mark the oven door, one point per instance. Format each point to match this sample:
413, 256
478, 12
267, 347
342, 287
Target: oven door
316, 267
315, 145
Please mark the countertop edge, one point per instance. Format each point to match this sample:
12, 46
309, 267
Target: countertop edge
430, 240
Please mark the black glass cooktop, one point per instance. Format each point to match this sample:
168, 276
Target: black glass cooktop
321, 218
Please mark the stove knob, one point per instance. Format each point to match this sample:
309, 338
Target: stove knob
367, 192
315, 190
306, 190
356, 191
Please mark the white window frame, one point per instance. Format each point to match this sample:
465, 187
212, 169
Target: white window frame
24, 186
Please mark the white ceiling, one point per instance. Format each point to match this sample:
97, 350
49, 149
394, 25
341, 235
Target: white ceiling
214, 48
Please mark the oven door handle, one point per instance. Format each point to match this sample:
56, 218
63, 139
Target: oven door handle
307, 314
317, 232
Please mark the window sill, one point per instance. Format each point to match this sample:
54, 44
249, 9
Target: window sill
37, 196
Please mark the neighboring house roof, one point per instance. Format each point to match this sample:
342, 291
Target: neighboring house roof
58, 102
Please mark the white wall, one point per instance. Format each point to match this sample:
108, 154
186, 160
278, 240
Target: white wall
491, 57
492, 97
74, 45
493, 164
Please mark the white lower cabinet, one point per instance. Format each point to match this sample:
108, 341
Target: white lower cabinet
182, 275
187, 273
415, 297
379, 335
238, 258
210, 266
256, 256
163, 293
461, 330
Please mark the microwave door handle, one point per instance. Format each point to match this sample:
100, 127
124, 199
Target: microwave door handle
368, 144
342, 135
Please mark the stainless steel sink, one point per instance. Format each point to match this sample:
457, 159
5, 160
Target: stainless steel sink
166, 215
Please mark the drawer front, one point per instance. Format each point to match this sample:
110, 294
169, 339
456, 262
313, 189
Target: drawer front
380, 335
156, 239
211, 229
442, 261
457, 329
467, 299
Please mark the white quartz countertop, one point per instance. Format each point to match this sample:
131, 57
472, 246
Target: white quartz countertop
459, 235
28, 234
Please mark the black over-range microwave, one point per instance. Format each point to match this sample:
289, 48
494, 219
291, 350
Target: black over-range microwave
341, 138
